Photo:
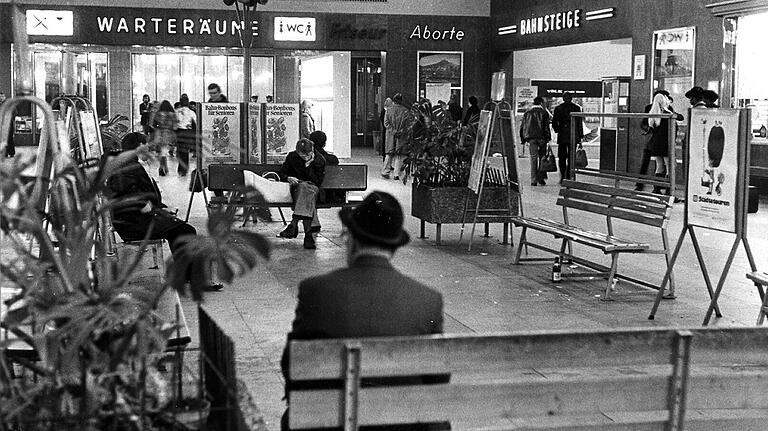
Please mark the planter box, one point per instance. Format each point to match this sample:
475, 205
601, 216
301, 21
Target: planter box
441, 205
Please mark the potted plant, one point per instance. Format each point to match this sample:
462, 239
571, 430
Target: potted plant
439, 160
99, 341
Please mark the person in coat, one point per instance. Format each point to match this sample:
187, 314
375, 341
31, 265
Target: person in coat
307, 122
534, 129
369, 297
186, 134
304, 170
561, 123
145, 110
660, 137
472, 116
164, 123
397, 121
139, 211
454, 108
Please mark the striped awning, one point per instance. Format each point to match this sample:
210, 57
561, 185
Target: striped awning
736, 8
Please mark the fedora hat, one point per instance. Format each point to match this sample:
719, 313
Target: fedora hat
696, 92
377, 220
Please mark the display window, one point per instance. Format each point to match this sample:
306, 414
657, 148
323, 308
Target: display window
751, 64
166, 76
673, 64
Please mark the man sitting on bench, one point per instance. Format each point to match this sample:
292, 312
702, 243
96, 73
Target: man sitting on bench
304, 170
142, 213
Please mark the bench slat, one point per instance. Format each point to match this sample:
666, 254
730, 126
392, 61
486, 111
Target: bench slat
481, 401
393, 356
640, 206
349, 177
758, 277
613, 212
599, 240
615, 191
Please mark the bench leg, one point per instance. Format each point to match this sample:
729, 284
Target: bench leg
665, 242
438, 231
282, 216
505, 241
487, 233
520, 244
611, 277
422, 229
763, 310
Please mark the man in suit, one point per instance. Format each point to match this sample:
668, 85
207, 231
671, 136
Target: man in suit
368, 298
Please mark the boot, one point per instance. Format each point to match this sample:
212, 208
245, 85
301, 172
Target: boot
657, 189
163, 170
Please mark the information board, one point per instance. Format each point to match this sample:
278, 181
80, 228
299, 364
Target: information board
255, 151
524, 96
90, 135
221, 135
713, 166
481, 149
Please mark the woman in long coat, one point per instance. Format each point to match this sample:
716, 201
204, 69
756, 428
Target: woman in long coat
397, 121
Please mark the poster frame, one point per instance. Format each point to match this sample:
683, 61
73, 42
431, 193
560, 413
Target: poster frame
460, 88
654, 77
742, 173
238, 135
482, 141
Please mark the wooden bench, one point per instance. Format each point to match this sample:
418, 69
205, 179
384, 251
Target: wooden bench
760, 279
339, 181
613, 203
634, 379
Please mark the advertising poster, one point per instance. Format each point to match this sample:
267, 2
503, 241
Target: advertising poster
437, 92
440, 67
481, 148
254, 137
639, 68
524, 96
90, 135
220, 124
673, 63
713, 164
282, 130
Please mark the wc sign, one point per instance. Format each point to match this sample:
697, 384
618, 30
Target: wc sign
295, 28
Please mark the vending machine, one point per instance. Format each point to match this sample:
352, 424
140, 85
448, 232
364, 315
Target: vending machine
614, 138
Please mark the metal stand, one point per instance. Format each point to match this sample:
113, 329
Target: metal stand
197, 178
501, 120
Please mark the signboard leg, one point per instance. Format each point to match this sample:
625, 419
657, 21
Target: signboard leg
660, 293
704, 271
728, 262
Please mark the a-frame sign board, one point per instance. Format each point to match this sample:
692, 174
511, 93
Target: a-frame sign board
497, 120
717, 179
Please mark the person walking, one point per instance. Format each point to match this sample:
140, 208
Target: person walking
369, 297
561, 123
534, 129
379, 146
307, 122
472, 116
397, 120
660, 137
163, 123
186, 134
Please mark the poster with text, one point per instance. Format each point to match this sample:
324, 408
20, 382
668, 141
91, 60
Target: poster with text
437, 92
254, 137
524, 96
673, 63
221, 133
481, 148
281, 130
713, 164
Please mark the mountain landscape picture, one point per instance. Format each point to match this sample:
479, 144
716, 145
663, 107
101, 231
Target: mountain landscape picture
440, 67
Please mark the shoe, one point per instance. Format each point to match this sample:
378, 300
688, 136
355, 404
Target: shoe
542, 182
397, 178
314, 229
182, 174
309, 242
216, 287
162, 172
289, 232
534, 184
385, 176
639, 187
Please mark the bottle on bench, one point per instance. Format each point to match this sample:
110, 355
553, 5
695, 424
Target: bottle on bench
557, 271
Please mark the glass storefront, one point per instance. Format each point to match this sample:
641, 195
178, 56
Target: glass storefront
751, 64
166, 76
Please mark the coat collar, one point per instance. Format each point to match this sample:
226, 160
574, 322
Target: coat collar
367, 260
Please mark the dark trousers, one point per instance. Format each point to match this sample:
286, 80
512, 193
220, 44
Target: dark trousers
185, 141
563, 159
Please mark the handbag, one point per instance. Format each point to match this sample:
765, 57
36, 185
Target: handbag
548, 162
194, 184
580, 158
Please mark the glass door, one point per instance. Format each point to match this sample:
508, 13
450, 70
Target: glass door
366, 109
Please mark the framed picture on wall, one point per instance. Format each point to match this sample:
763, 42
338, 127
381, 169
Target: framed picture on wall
438, 70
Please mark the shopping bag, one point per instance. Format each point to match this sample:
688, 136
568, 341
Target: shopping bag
271, 191
580, 158
548, 162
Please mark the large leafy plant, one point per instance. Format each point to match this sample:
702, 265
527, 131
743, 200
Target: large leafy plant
99, 340
440, 150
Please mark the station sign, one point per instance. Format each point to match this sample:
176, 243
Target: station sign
426, 32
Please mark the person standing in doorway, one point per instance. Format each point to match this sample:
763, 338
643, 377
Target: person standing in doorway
215, 95
307, 122
472, 116
561, 123
397, 120
534, 129
454, 108
145, 110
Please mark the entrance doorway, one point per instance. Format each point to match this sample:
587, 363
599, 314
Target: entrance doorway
366, 100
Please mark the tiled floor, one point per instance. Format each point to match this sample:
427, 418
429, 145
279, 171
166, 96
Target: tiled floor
483, 291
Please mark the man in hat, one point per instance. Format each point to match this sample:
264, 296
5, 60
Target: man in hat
696, 96
710, 97
368, 298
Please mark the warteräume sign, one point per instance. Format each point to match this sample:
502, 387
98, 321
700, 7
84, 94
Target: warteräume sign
200, 26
